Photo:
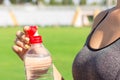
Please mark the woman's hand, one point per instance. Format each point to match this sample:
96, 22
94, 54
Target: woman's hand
21, 43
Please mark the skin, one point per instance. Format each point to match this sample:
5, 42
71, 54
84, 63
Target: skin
104, 34
108, 30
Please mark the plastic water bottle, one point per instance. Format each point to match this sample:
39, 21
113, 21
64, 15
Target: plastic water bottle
37, 60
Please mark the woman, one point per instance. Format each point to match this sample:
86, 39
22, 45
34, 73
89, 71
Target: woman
100, 57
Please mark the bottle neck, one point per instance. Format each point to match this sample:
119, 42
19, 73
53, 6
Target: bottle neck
39, 49
37, 44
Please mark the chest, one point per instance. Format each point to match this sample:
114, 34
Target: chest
102, 64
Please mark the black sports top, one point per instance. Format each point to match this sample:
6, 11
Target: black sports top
98, 64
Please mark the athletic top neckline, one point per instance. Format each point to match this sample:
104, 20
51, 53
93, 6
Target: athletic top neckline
89, 37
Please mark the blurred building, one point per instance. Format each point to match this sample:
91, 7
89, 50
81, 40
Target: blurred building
43, 15
47, 1
94, 1
76, 2
61, 2
6, 2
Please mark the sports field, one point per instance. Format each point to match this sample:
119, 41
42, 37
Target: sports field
63, 43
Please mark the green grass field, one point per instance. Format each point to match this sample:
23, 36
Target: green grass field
63, 43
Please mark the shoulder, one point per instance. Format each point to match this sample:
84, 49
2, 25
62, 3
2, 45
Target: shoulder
99, 17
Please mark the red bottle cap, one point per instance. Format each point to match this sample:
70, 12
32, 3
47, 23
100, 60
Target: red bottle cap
35, 39
31, 34
31, 31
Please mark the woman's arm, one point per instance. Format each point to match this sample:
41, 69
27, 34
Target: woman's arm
57, 75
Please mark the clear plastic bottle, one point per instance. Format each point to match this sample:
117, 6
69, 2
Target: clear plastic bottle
37, 60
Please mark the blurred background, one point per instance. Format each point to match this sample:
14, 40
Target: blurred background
63, 24
40, 12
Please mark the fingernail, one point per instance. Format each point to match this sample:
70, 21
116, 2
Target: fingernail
26, 28
20, 49
27, 46
18, 32
27, 40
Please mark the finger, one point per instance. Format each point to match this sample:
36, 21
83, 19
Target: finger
26, 40
26, 46
17, 50
20, 35
22, 44
19, 43
26, 28
20, 51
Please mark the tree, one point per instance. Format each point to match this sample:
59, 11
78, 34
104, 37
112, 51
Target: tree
82, 2
1, 1
104, 2
52, 2
67, 2
19, 1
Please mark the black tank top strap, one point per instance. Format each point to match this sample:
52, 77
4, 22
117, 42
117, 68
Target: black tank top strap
101, 20
96, 27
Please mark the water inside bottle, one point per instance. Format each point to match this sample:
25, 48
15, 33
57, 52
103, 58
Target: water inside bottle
38, 68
